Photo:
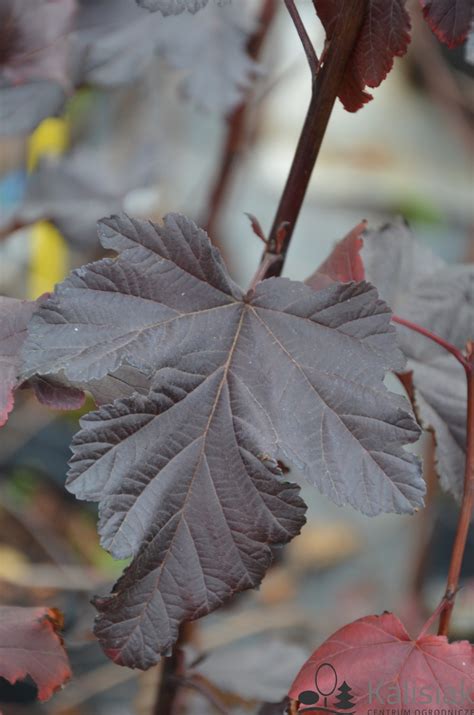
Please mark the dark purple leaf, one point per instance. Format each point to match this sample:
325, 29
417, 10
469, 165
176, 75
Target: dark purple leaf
201, 532
172, 7
450, 20
14, 317
122, 383
421, 288
385, 34
187, 476
34, 56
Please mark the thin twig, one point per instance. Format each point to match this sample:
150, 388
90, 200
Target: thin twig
467, 506
435, 338
200, 684
172, 674
325, 88
432, 619
170, 683
310, 52
236, 125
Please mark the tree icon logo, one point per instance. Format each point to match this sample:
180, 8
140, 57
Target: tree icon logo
328, 696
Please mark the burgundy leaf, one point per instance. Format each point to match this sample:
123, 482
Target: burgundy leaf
188, 476
14, 317
450, 20
344, 264
374, 662
422, 289
202, 526
31, 645
385, 34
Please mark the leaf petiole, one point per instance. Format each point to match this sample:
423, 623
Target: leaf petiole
436, 339
467, 507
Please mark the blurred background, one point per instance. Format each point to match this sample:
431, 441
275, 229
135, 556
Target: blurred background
147, 127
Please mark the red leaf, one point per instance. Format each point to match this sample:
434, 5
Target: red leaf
385, 34
344, 264
450, 20
373, 662
30, 645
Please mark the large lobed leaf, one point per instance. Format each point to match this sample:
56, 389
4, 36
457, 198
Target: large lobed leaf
30, 645
422, 288
385, 34
377, 663
188, 476
450, 20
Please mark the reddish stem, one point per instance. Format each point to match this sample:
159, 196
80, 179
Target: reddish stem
467, 507
170, 686
326, 83
310, 52
170, 683
433, 618
435, 338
